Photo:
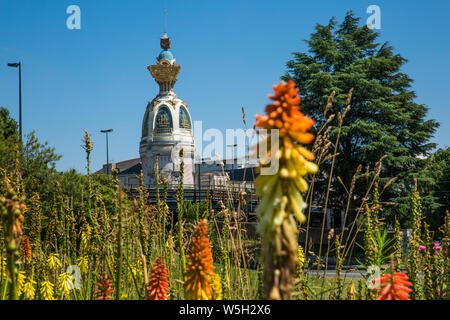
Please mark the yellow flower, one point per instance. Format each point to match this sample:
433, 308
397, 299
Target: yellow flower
3, 266
83, 263
28, 289
284, 188
216, 286
20, 281
170, 244
65, 283
136, 271
53, 261
85, 237
47, 290
300, 258
351, 292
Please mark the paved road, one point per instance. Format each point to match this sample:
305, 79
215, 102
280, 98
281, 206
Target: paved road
354, 274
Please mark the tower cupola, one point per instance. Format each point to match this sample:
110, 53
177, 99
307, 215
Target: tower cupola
167, 125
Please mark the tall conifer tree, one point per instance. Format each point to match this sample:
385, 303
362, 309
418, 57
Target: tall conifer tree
383, 118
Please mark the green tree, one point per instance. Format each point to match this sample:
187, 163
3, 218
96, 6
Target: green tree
434, 187
75, 186
38, 167
9, 138
37, 160
442, 191
39, 175
383, 118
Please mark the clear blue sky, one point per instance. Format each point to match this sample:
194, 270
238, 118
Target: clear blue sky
231, 53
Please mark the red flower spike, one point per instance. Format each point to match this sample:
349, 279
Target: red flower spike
394, 287
26, 249
158, 286
105, 289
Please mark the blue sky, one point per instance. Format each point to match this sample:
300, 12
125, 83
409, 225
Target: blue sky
231, 53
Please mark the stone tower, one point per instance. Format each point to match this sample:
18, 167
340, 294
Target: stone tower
167, 125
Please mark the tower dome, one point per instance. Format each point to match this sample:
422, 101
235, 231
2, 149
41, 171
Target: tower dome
167, 55
167, 126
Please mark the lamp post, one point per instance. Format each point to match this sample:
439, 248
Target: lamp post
107, 155
232, 158
15, 65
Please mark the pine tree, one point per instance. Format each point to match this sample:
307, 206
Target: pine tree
383, 118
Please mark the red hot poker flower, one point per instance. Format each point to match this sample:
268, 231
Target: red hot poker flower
105, 289
26, 249
394, 287
158, 286
199, 266
284, 114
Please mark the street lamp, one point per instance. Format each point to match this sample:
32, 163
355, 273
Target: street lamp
107, 156
232, 158
15, 65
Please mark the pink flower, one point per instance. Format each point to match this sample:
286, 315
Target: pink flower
437, 246
421, 248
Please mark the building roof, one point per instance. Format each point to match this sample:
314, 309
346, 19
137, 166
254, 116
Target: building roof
121, 166
136, 169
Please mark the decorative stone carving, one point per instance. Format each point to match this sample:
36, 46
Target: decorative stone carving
164, 72
173, 103
154, 103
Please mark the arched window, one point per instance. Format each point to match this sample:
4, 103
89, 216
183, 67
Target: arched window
163, 123
185, 122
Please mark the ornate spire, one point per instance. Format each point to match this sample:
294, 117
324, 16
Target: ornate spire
165, 71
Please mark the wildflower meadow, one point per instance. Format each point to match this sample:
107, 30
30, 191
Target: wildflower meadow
131, 249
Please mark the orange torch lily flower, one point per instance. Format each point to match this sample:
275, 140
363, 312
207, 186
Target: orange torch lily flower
283, 189
281, 192
26, 249
199, 267
284, 114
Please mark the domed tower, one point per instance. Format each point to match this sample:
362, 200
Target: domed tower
167, 125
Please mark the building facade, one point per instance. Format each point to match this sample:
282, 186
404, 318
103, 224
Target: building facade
167, 126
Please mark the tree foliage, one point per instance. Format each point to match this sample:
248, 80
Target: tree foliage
383, 117
39, 175
9, 138
434, 186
